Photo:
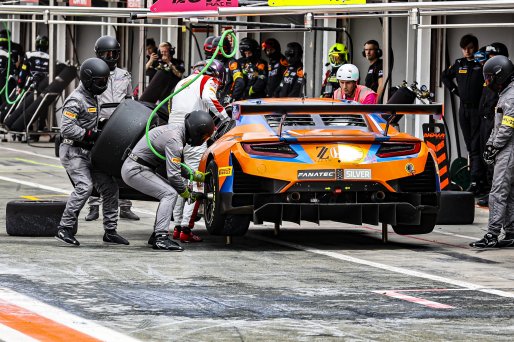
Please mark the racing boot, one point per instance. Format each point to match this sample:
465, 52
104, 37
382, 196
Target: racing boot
176, 232
507, 241
151, 239
126, 213
186, 235
67, 237
94, 212
163, 242
112, 236
488, 241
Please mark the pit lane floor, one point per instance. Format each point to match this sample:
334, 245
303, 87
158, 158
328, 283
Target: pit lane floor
338, 282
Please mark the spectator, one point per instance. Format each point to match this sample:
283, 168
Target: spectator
348, 77
374, 78
470, 80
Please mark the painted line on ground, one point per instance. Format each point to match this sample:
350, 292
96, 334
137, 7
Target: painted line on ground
28, 152
395, 269
8, 334
58, 190
33, 317
33, 162
416, 300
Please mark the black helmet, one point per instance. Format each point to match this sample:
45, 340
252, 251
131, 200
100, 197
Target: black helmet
497, 72
227, 47
294, 53
4, 34
249, 44
94, 74
42, 43
208, 47
103, 46
497, 49
199, 127
271, 43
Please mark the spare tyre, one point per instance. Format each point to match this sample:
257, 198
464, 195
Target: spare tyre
34, 218
123, 130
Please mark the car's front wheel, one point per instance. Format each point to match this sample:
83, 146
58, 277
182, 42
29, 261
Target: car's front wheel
216, 222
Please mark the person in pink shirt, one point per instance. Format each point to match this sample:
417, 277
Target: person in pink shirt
348, 77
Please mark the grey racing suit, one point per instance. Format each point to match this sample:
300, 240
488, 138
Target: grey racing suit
79, 114
138, 170
200, 95
501, 196
119, 87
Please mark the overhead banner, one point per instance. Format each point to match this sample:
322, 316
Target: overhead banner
80, 3
314, 2
134, 3
191, 5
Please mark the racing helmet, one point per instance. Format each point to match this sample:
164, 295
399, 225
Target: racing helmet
497, 49
4, 38
227, 47
199, 127
216, 69
293, 53
249, 44
497, 72
94, 75
271, 43
208, 47
338, 54
42, 43
481, 56
348, 72
103, 46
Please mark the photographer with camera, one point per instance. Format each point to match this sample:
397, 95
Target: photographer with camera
162, 59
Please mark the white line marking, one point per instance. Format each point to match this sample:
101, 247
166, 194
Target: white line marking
8, 334
394, 269
28, 152
416, 300
457, 235
62, 317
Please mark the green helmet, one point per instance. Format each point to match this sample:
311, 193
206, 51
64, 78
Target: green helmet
338, 55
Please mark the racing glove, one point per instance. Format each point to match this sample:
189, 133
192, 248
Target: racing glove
490, 154
91, 136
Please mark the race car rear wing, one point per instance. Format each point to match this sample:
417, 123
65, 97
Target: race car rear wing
391, 111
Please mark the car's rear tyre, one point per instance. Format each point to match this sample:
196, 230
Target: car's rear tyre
427, 224
216, 222
34, 218
456, 207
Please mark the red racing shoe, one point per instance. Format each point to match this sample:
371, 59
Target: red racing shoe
186, 235
176, 232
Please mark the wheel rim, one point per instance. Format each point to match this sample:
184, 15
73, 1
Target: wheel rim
210, 204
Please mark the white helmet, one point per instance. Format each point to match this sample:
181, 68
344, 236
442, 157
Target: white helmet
347, 72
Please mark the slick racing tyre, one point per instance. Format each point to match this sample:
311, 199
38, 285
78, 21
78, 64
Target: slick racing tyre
427, 224
34, 218
216, 222
456, 207
123, 130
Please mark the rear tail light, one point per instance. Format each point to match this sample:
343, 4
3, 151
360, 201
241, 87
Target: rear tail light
391, 149
270, 149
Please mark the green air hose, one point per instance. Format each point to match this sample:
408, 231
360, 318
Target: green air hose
220, 46
5, 89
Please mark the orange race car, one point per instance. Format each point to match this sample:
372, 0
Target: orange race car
320, 159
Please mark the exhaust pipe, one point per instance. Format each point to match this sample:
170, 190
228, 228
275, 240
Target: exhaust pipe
293, 197
378, 196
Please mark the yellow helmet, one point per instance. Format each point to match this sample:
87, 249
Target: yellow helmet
338, 54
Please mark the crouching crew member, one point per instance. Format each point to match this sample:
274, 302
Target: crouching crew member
138, 170
78, 134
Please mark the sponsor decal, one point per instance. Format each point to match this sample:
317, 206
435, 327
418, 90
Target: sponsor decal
434, 135
324, 153
91, 110
409, 167
463, 71
508, 121
175, 160
317, 174
357, 174
69, 115
225, 171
